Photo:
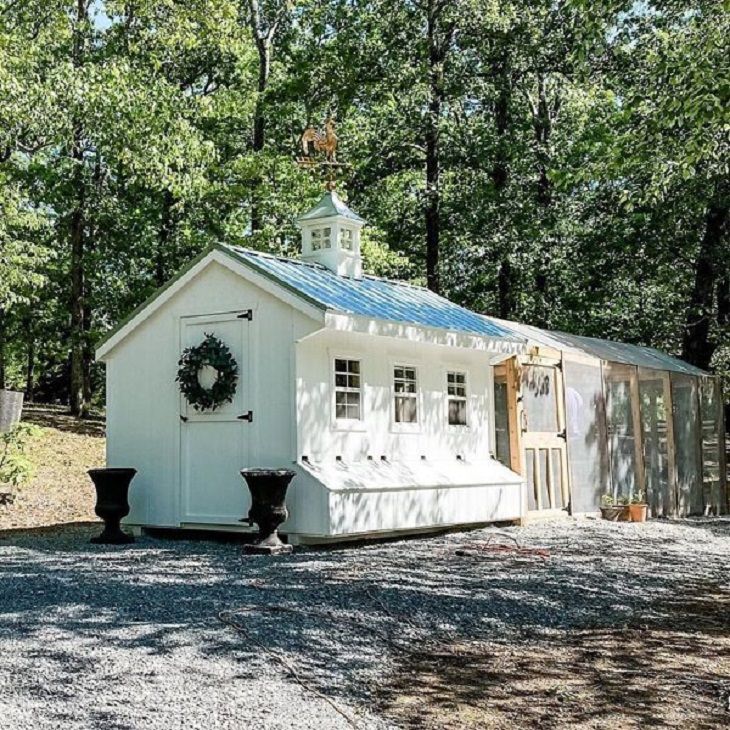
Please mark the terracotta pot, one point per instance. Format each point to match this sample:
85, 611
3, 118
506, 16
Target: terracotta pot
268, 507
638, 512
112, 504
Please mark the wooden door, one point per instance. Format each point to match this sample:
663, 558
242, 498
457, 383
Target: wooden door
215, 445
541, 416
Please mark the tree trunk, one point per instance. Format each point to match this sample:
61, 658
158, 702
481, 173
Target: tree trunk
710, 268
501, 73
433, 191
164, 239
259, 126
3, 341
263, 35
79, 407
77, 223
30, 354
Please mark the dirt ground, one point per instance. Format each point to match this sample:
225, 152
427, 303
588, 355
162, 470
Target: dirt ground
668, 668
60, 490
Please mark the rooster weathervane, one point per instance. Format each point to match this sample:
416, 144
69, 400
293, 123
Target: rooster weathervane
320, 150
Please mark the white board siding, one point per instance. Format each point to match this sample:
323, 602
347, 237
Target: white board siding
143, 399
322, 439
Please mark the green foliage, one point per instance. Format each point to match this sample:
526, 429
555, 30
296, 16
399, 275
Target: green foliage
15, 467
213, 353
581, 149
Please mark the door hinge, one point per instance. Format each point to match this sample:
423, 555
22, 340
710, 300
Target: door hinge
184, 419
248, 416
248, 314
563, 435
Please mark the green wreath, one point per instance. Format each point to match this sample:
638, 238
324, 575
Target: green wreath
211, 351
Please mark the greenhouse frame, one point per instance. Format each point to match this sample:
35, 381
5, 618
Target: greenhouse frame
581, 418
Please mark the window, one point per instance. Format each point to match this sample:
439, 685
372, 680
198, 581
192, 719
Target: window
406, 395
346, 239
348, 392
321, 238
456, 390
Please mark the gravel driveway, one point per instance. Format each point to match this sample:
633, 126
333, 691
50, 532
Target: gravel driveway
132, 638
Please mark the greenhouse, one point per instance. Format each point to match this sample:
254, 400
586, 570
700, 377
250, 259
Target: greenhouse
581, 418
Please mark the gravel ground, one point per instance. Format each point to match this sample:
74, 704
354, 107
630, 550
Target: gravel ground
92, 637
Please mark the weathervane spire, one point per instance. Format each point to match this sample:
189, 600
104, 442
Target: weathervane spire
320, 151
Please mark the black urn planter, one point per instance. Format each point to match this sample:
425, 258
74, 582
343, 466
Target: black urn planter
112, 504
268, 507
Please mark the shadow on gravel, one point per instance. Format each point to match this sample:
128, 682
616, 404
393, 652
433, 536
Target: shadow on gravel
616, 619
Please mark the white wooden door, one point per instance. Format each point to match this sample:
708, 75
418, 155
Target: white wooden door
542, 425
215, 445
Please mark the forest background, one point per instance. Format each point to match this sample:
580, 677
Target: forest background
559, 162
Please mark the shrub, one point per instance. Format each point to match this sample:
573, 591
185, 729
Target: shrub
15, 467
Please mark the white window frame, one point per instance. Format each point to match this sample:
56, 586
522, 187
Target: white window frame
346, 424
325, 242
457, 370
349, 233
398, 426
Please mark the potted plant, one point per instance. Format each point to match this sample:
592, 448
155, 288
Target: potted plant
638, 508
615, 509
610, 510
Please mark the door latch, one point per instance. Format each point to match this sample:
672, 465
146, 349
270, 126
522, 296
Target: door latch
248, 416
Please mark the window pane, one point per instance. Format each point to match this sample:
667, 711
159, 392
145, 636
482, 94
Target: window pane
340, 380
539, 398
457, 413
406, 410
354, 366
340, 411
341, 366
353, 381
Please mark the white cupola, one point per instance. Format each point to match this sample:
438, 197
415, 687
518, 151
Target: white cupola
331, 236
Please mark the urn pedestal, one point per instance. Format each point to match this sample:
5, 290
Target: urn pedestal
112, 504
268, 508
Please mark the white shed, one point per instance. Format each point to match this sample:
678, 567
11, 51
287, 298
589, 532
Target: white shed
379, 393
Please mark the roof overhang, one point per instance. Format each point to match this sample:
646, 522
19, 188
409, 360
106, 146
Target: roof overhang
497, 346
216, 254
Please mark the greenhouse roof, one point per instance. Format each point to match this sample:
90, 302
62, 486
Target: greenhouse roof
608, 350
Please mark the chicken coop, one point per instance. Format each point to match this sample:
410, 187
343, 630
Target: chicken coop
581, 417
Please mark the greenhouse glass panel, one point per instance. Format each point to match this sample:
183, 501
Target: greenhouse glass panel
655, 433
501, 423
539, 398
687, 439
586, 430
711, 414
621, 433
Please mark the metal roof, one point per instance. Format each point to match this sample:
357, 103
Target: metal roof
370, 296
330, 205
608, 350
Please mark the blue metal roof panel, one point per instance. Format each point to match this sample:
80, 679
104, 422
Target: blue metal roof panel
371, 297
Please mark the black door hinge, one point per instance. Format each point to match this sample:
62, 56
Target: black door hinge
563, 435
248, 314
248, 416
184, 419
